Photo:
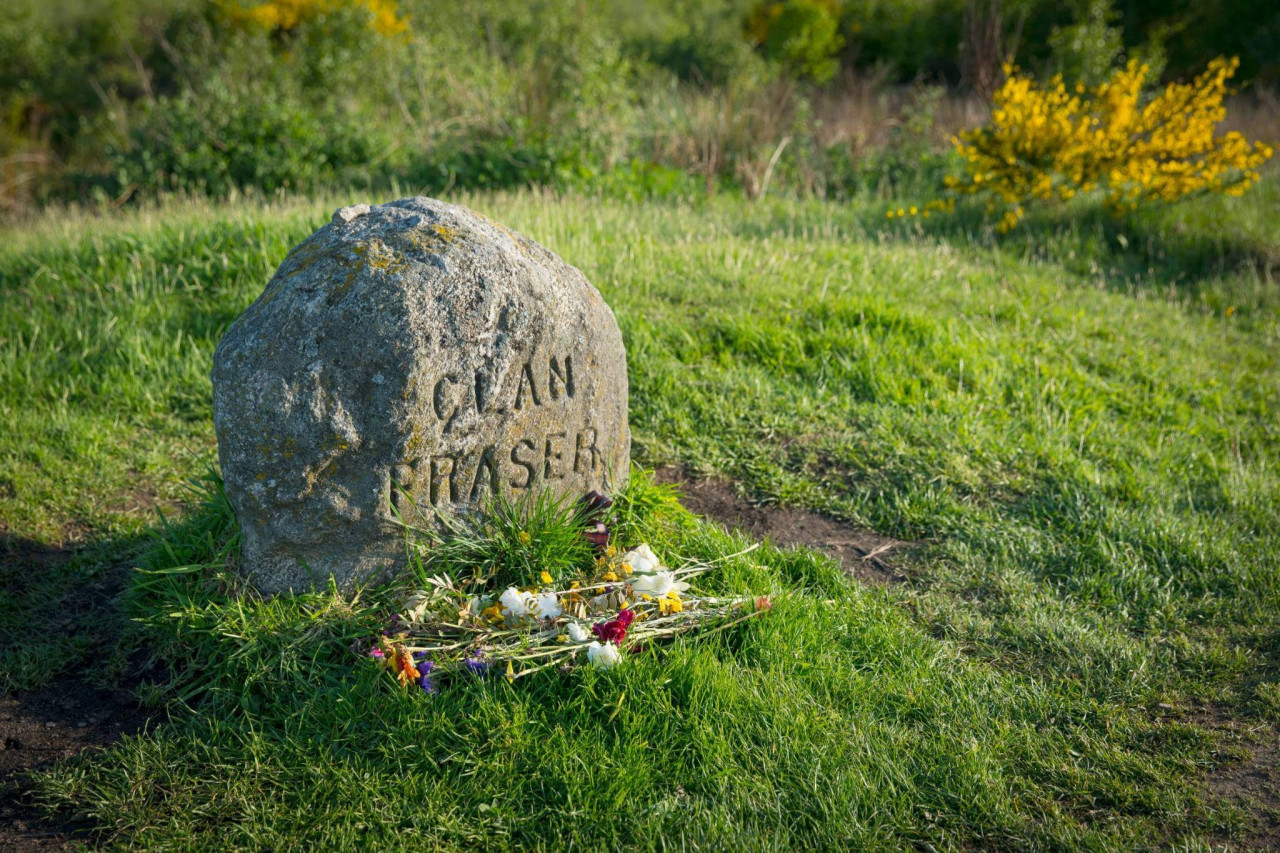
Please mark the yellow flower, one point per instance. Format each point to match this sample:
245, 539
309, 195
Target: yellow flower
287, 15
626, 568
1045, 141
492, 613
670, 603
546, 577
524, 537
608, 576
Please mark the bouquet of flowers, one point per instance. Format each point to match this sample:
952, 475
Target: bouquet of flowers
625, 602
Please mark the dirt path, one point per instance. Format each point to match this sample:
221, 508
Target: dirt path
44, 726
1252, 783
864, 555
62, 719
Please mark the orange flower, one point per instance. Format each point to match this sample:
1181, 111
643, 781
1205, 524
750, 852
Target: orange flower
401, 663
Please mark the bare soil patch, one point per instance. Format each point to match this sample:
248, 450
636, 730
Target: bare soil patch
865, 555
1252, 783
38, 728
61, 720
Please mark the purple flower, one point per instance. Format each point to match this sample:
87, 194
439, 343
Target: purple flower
477, 664
424, 681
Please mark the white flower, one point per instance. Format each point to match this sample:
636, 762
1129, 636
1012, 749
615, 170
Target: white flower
642, 559
658, 584
516, 604
526, 605
603, 654
547, 606
577, 633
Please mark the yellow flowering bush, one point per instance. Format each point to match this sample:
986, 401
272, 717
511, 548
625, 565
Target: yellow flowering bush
1048, 141
288, 15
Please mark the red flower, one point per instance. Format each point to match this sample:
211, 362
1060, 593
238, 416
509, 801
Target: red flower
612, 631
626, 617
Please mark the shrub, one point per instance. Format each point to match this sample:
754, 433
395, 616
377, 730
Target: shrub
225, 137
285, 16
1050, 142
802, 35
1087, 50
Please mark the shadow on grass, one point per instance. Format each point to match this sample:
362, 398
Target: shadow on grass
66, 676
1179, 247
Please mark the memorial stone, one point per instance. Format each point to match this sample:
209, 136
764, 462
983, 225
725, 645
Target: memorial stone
410, 361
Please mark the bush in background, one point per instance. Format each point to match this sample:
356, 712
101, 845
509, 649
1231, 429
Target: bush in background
1050, 141
127, 98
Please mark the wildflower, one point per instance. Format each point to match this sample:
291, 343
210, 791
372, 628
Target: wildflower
402, 666
1046, 142
424, 678
763, 603
577, 633
658, 584
612, 631
524, 537
516, 604
626, 617
546, 577
670, 603
476, 664
626, 568
642, 559
603, 655
546, 606
609, 576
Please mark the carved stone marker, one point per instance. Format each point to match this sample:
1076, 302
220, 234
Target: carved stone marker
410, 359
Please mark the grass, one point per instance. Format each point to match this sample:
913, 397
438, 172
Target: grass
1077, 424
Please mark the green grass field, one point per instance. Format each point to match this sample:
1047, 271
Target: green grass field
1078, 425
